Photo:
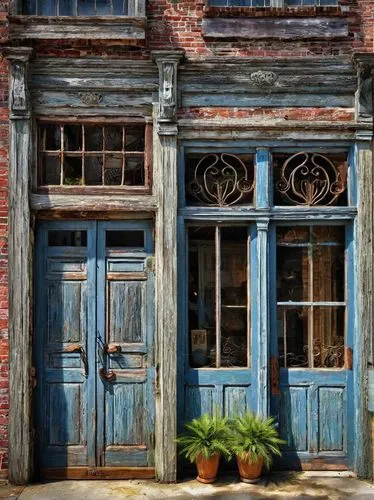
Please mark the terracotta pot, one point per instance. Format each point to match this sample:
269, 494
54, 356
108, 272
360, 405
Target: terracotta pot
207, 468
250, 472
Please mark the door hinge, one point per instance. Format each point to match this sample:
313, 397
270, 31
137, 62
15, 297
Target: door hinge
152, 439
33, 377
348, 355
274, 376
150, 264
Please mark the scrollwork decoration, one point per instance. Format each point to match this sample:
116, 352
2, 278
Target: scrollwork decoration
264, 78
221, 180
90, 98
310, 179
324, 356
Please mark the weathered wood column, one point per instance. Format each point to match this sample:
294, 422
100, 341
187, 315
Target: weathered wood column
165, 186
19, 270
363, 355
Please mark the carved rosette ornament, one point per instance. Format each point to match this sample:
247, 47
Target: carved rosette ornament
310, 179
263, 79
90, 98
221, 180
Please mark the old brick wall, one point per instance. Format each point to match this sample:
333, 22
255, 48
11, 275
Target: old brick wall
177, 24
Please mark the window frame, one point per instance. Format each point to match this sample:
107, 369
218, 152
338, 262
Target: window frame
261, 211
145, 189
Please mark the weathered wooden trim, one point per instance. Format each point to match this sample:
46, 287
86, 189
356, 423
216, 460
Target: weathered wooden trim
165, 180
20, 271
69, 27
99, 473
71, 202
364, 307
276, 27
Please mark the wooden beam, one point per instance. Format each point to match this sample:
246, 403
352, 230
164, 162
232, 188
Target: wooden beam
272, 27
19, 269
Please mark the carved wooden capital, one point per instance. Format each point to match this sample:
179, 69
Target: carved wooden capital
19, 101
167, 63
364, 64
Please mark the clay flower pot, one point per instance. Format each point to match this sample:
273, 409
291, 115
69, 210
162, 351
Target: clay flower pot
250, 472
207, 468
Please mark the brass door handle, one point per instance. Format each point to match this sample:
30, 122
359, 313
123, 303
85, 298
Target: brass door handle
109, 376
79, 348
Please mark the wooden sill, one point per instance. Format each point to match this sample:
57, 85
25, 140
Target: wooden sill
280, 28
78, 27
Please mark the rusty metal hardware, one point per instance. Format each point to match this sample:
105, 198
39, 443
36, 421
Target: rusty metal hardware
109, 376
274, 376
79, 348
348, 358
111, 348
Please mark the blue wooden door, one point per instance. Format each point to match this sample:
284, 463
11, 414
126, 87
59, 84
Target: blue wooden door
312, 345
94, 344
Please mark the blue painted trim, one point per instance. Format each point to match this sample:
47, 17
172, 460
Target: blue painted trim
263, 178
182, 318
181, 184
352, 176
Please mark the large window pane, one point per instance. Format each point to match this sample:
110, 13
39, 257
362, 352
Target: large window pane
311, 296
218, 296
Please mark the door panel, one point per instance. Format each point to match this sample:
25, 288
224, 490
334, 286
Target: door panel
94, 345
127, 336
62, 324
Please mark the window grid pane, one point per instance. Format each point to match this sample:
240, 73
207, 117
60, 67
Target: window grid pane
310, 296
92, 155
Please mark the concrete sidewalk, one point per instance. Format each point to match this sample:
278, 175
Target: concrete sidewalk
277, 486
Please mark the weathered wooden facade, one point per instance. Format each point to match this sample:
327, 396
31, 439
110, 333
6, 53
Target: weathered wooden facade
187, 223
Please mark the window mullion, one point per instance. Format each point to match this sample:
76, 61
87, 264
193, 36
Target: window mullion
218, 295
311, 298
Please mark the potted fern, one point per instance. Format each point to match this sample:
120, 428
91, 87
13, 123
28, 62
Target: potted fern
254, 441
204, 441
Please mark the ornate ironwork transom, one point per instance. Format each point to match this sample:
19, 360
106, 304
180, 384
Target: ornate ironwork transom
221, 180
310, 179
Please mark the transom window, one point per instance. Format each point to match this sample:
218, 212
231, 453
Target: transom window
91, 155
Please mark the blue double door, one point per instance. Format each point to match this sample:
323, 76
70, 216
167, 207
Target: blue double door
93, 346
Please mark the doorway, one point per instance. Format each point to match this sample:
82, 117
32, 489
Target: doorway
93, 349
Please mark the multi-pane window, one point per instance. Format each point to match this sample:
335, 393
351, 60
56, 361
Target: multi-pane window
311, 296
272, 3
310, 275
77, 7
92, 155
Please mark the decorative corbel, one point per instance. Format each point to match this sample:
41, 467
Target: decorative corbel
364, 64
167, 62
19, 100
